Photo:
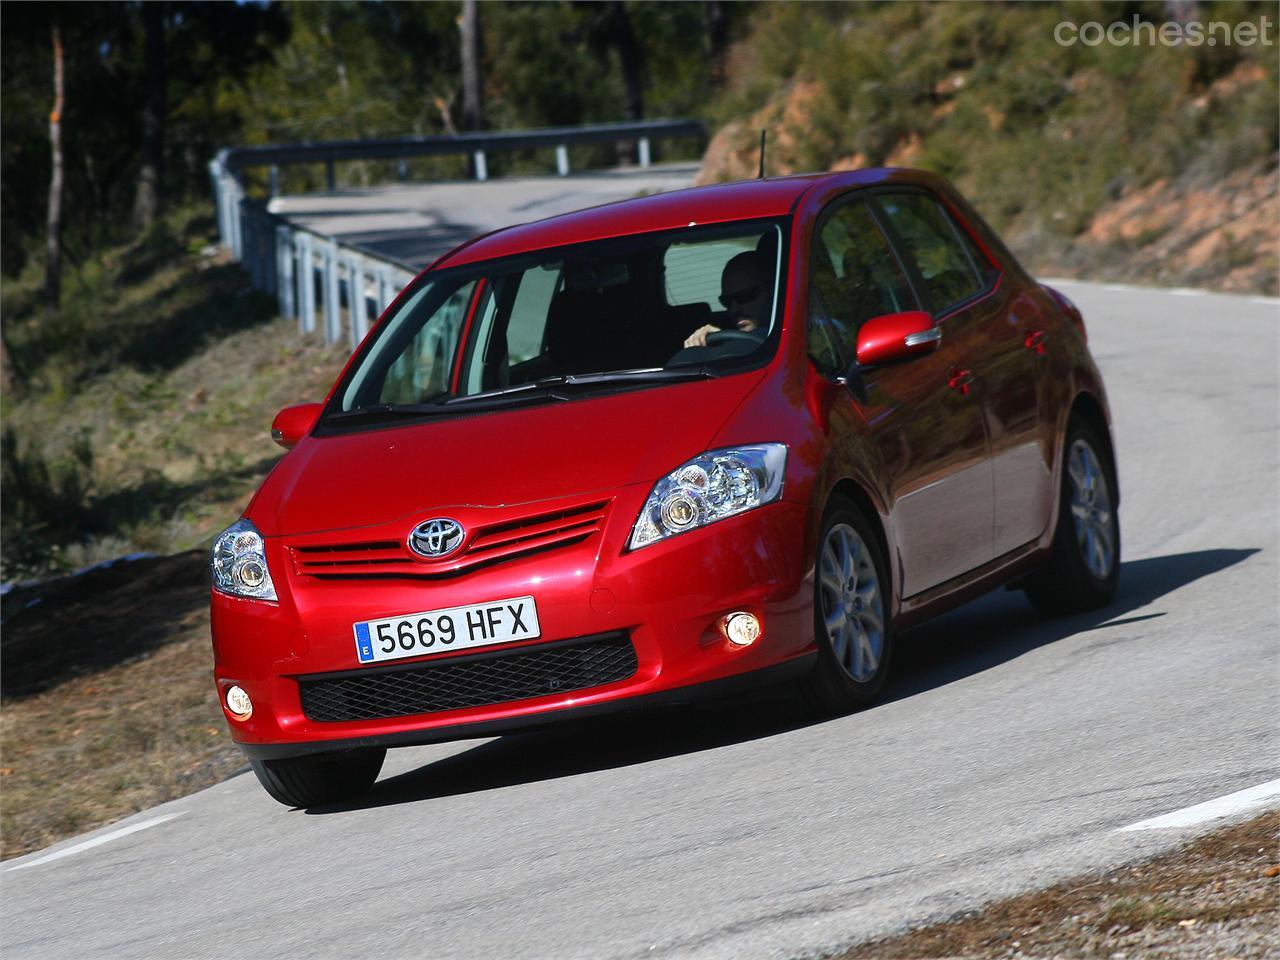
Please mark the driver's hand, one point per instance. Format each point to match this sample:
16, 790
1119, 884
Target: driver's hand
699, 337
746, 324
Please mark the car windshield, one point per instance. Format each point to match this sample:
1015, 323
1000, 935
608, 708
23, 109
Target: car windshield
568, 321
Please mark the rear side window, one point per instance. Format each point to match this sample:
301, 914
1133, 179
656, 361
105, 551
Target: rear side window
528, 322
939, 248
692, 271
855, 277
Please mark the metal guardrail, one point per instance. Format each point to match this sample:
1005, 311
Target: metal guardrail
311, 273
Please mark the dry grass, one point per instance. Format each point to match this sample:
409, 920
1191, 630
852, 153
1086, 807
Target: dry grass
150, 397
1216, 897
142, 422
109, 703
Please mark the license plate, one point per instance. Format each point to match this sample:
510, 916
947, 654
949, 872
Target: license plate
453, 628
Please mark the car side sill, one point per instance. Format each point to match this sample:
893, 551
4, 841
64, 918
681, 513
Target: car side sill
968, 586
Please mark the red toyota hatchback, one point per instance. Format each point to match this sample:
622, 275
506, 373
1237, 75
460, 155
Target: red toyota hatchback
655, 450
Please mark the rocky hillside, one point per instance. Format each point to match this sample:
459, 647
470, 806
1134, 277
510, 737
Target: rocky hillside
1152, 164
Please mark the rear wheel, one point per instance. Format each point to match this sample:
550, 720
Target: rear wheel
1084, 562
324, 778
851, 622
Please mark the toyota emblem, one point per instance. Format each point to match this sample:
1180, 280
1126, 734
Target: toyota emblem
436, 538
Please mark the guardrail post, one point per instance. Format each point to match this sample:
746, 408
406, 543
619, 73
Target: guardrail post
357, 309
330, 175
261, 261
386, 292
402, 170
306, 285
482, 170
332, 303
219, 202
237, 221
270, 261
251, 245
644, 151
274, 176
284, 269
562, 160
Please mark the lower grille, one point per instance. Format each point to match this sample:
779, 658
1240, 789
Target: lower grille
475, 681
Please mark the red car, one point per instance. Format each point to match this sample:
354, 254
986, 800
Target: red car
653, 451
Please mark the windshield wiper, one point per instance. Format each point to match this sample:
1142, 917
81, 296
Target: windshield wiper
535, 388
642, 375
447, 405
548, 388
388, 409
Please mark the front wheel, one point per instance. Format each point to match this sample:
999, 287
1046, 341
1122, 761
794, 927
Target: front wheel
324, 778
851, 615
1084, 562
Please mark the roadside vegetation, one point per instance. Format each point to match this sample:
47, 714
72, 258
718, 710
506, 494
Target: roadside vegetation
140, 419
1217, 896
109, 703
140, 426
1153, 163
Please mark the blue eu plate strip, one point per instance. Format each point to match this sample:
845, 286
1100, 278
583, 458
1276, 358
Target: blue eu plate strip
364, 646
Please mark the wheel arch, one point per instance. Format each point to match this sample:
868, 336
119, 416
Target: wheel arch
1088, 408
850, 490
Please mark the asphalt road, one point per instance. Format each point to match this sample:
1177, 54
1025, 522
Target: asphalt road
1009, 752
413, 223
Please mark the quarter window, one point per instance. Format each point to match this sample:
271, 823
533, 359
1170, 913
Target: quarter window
422, 368
934, 242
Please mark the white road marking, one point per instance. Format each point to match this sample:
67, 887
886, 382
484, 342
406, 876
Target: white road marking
1176, 291
97, 841
1232, 803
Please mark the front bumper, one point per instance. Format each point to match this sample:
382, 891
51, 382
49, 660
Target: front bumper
667, 598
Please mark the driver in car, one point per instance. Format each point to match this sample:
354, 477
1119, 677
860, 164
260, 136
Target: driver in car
744, 294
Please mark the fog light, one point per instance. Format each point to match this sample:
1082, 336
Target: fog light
742, 629
238, 703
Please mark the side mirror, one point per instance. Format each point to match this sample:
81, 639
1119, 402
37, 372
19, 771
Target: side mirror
894, 337
293, 423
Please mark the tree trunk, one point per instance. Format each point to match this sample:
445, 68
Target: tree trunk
472, 78
8, 375
717, 23
150, 193
632, 62
53, 235
624, 39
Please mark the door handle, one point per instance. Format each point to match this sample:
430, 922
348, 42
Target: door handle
1035, 341
960, 380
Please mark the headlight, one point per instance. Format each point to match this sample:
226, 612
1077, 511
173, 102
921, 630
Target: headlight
710, 487
240, 563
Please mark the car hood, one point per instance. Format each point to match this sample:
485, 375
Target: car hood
502, 458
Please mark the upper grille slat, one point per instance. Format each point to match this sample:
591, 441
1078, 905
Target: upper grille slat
486, 544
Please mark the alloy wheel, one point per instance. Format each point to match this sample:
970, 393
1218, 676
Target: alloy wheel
1091, 511
852, 605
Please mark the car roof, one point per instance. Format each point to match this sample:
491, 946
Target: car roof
717, 203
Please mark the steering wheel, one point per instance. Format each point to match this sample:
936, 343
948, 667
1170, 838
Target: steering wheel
725, 337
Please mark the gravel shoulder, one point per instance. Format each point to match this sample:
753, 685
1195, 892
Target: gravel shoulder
1216, 897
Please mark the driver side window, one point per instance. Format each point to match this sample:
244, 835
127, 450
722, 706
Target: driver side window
856, 276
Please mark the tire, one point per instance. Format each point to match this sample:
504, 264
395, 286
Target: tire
853, 655
1083, 569
324, 778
